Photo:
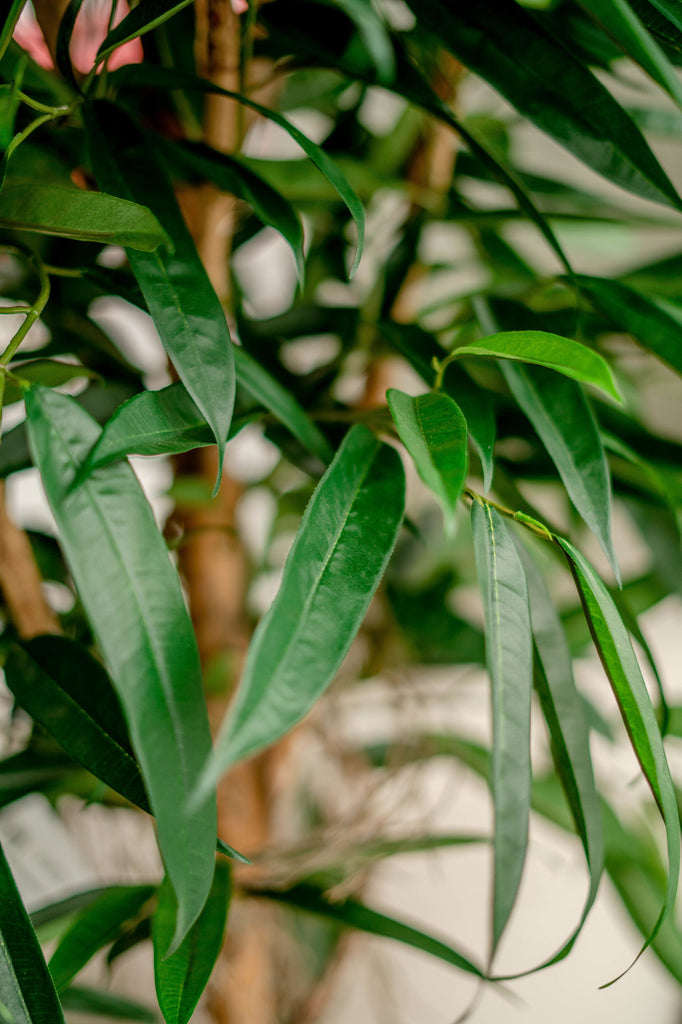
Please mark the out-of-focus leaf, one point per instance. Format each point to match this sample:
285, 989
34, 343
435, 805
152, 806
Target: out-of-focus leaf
565, 423
11, 16
637, 314
549, 350
184, 306
479, 413
620, 664
434, 431
335, 565
137, 76
143, 18
98, 1002
73, 213
134, 602
96, 926
65, 907
547, 84
182, 977
27, 994
373, 32
49, 372
64, 689
509, 655
352, 914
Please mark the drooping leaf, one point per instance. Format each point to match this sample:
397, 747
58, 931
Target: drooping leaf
550, 350
96, 926
86, 216
186, 310
565, 423
434, 431
620, 664
68, 692
182, 977
100, 1003
138, 76
335, 565
509, 657
546, 83
134, 602
233, 175
352, 914
651, 325
27, 994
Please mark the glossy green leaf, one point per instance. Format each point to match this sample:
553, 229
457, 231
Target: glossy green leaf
621, 22
479, 413
134, 602
352, 914
27, 994
234, 176
68, 692
631, 311
550, 86
85, 216
434, 431
146, 16
620, 664
138, 76
565, 423
186, 310
556, 353
96, 926
509, 656
100, 1003
50, 372
182, 977
335, 565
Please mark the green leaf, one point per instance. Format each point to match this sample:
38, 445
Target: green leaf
233, 175
182, 977
670, 10
186, 310
97, 1002
12, 11
68, 692
654, 328
140, 76
510, 658
27, 994
550, 350
352, 914
624, 26
49, 372
434, 431
372, 31
65, 907
620, 664
479, 413
85, 216
96, 926
146, 16
134, 602
546, 83
565, 423
335, 565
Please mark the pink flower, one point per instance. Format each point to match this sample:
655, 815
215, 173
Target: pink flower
89, 31
240, 6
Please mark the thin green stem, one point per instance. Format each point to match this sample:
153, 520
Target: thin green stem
534, 525
44, 107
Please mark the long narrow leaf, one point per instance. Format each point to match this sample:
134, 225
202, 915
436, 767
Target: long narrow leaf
143, 18
182, 977
133, 599
335, 565
98, 1002
27, 994
565, 423
620, 664
185, 308
509, 656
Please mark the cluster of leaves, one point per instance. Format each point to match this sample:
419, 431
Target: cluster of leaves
509, 398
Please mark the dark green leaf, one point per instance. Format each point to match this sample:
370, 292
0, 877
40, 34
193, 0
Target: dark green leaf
185, 308
65, 907
27, 995
182, 977
334, 567
12, 10
434, 431
352, 914
374, 35
143, 18
479, 413
64, 689
565, 423
96, 926
620, 664
79, 999
49, 372
134, 602
510, 657
87, 216
550, 350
